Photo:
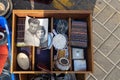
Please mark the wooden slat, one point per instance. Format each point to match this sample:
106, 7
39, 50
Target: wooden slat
13, 64
80, 76
33, 58
22, 77
90, 47
69, 45
51, 13
52, 47
66, 72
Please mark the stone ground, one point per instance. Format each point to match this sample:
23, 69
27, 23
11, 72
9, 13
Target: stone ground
106, 32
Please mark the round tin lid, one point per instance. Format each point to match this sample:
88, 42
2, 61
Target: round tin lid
59, 41
23, 61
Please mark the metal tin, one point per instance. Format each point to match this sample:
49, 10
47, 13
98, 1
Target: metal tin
77, 53
80, 65
63, 64
23, 61
59, 41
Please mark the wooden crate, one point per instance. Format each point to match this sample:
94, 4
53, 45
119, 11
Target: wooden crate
51, 14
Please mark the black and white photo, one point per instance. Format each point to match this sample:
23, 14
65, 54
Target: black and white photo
36, 32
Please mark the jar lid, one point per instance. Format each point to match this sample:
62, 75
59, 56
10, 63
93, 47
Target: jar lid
59, 41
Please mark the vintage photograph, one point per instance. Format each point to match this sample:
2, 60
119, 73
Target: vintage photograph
36, 32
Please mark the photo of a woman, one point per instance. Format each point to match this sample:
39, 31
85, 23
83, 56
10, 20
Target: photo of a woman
40, 37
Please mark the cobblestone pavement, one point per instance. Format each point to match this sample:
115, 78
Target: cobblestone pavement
106, 33
106, 36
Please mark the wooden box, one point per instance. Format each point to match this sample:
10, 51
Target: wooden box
51, 14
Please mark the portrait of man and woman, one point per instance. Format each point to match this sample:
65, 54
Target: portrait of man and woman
36, 32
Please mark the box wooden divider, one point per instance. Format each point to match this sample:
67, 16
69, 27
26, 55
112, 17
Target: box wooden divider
51, 14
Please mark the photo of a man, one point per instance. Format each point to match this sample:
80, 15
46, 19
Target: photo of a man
36, 32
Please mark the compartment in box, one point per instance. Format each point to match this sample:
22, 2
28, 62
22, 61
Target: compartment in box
19, 54
42, 59
61, 56
79, 58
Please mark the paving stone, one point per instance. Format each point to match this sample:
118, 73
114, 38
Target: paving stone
100, 30
103, 61
114, 75
118, 64
115, 4
98, 73
117, 32
91, 78
109, 45
94, 49
113, 22
82, 5
95, 11
108, 0
105, 14
96, 40
100, 4
115, 55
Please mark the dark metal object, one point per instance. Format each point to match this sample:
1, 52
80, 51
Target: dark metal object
3, 37
61, 26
